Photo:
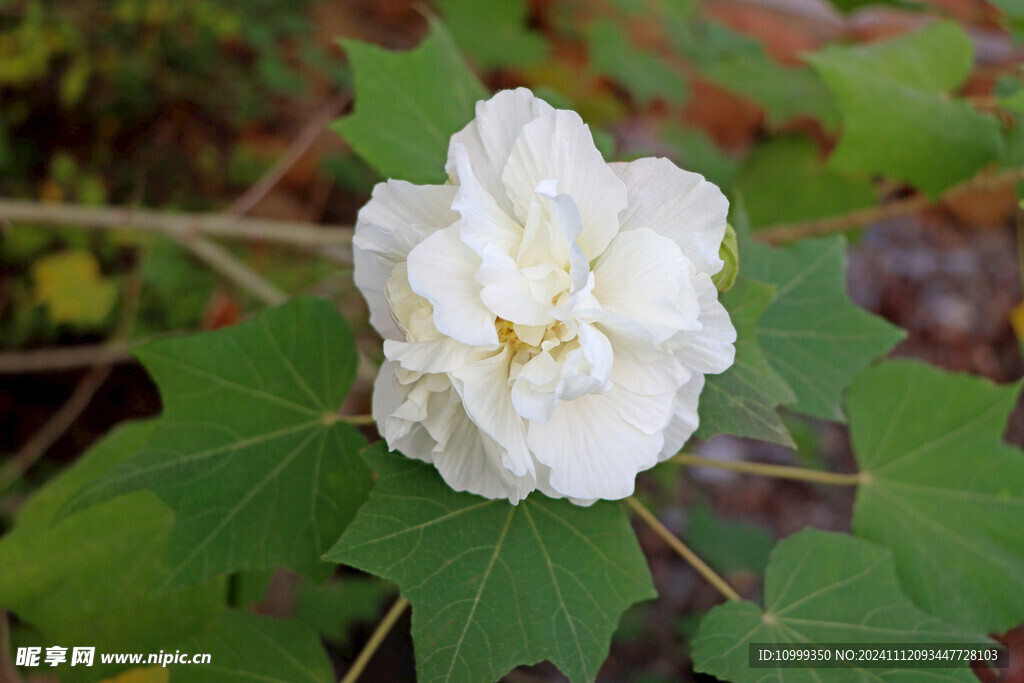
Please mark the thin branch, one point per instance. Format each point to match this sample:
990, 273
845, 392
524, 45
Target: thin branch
65, 357
691, 557
791, 232
765, 470
375, 640
255, 194
178, 224
228, 265
57, 425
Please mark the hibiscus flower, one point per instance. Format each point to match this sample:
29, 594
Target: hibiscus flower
548, 317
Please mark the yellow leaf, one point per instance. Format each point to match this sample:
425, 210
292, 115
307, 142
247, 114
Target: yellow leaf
71, 287
141, 674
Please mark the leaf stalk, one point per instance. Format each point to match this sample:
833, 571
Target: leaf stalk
691, 557
381, 632
777, 471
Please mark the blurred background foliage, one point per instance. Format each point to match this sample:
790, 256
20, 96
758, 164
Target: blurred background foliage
183, 105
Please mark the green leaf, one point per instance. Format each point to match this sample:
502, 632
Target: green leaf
943, 491
494, 585
1013, 9
249, 452
646, 75
1014, 101
812, 334
823, 588
90, 579
408, 105
1013, 143
783, 181
248, 587
494, 33
727, 545
742, 399
740, 64
92, 576
334, 608
247, 647
730, 254
897, 117
121, 443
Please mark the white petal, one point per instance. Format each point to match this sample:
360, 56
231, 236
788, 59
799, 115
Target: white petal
564, 215
466, 464
463, 455
559, 146
441, 269
592, 450
645, 277
649, 372
398, 217
507, 292
685, 418
388, 396
484, 222
711, 349
413, 314
385, 396
588, 368
432, 356
489, 137
677, 204
397, 205
533, 393
467, 459
483, 383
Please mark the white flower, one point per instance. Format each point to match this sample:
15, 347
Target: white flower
548, 318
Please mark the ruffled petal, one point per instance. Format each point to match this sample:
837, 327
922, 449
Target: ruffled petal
468, 461
645, 277
559, 146
442, 270
648, 371
588, 368
432, 356
685, 419
710, 350
484, 222
489, 137
399, 216
507, 292
409, 437
483, 384
534, 387
593, 447
426, 420
564, 217
413, 314
678, 204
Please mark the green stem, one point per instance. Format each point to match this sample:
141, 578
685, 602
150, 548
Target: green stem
778, 471
375, 640
691, 557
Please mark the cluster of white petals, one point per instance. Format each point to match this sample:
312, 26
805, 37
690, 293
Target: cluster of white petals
548, 317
